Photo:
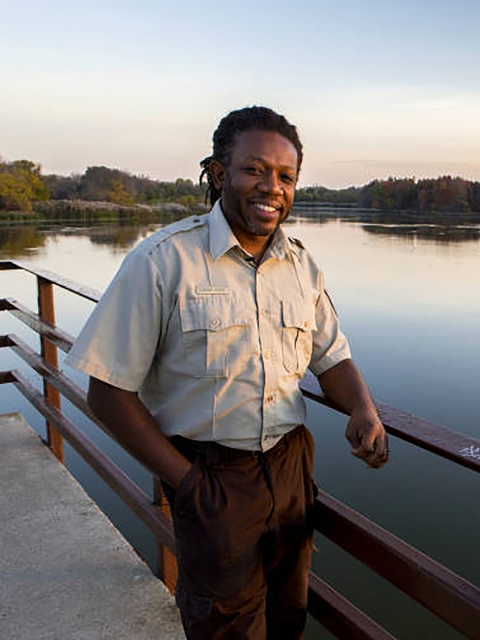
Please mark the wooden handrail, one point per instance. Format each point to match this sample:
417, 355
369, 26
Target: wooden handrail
53, 278
340, 616
440, 590
457, 447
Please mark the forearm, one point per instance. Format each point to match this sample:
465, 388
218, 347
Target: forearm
133, 426
345, 386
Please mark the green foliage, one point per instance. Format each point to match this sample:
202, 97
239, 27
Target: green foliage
20, 185
336, 197
119, 194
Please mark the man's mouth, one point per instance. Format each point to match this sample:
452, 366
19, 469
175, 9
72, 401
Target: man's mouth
266, 208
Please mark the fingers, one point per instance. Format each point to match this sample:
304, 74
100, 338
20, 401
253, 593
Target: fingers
375, 453
367, 437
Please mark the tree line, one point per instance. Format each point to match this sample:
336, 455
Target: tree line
22, 185
443, 194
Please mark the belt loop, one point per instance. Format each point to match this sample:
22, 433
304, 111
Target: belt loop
213, 454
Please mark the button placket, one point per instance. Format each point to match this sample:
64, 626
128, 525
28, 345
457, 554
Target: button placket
266, 351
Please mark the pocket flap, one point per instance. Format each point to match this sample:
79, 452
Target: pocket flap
210, 314
299, 315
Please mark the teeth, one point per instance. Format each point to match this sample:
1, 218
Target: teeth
265, 207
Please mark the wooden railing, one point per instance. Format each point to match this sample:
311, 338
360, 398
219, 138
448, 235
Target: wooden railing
447, 595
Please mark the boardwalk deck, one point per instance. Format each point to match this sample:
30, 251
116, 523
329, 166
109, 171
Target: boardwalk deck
65, 571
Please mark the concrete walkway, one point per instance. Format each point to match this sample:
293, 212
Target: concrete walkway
66, 573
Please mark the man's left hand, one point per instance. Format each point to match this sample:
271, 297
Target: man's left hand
367, 436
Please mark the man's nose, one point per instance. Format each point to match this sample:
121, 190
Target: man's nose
271, 183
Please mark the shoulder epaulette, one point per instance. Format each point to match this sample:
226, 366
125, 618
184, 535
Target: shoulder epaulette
298, 242
185, 224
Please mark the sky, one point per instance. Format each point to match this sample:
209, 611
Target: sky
376, 88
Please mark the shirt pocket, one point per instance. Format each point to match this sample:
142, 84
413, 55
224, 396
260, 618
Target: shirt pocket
214, 335
298, 322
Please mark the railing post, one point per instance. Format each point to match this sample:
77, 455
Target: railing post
46, 311
165, 561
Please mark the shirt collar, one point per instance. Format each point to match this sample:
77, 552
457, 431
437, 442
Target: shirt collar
222, 237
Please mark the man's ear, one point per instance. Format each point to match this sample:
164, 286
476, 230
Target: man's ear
217, 172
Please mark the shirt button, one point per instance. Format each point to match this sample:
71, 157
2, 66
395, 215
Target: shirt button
306, 324
289, 366
264, 312
269, 398
215, 322
268, 355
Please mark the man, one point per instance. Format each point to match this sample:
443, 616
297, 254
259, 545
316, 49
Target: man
195, 353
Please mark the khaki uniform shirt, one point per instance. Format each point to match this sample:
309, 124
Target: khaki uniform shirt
215, 345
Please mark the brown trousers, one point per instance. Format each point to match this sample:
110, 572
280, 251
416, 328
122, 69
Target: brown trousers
243, 527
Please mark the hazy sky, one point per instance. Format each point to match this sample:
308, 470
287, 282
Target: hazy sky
376, 87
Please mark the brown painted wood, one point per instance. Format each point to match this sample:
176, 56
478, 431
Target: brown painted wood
454, 446
46, 312
60, 338
5, 341
4, 305
446, 594
7, 265
340, 616
49, 276
56, 378
166, 562
6, 377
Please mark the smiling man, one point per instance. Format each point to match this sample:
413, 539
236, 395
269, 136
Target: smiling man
257, 186
195, 353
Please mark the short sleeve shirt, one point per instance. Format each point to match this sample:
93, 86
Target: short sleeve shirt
215, 345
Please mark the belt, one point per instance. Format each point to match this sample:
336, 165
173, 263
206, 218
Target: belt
217, 453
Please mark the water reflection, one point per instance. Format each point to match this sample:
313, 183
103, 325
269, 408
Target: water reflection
437, 228
16, 242
20, 241
437, 233
120, 238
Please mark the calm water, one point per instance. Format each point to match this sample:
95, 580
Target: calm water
408, 295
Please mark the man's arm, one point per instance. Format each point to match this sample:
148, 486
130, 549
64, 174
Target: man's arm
344, 385
133, 426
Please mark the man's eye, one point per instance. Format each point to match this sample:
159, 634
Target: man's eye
254, 171
287, 178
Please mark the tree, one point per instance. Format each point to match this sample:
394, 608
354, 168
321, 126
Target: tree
63, 187
118, 194
20, 185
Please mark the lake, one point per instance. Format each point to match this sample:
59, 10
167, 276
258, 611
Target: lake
407, 290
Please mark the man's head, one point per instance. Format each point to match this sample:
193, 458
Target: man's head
254, 169
236, 122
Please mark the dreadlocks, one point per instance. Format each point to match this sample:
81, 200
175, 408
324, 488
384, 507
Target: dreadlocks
236, 122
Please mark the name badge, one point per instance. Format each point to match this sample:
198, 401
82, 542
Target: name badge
212, 291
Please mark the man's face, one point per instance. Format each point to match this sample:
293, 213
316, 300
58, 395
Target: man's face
258, 186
